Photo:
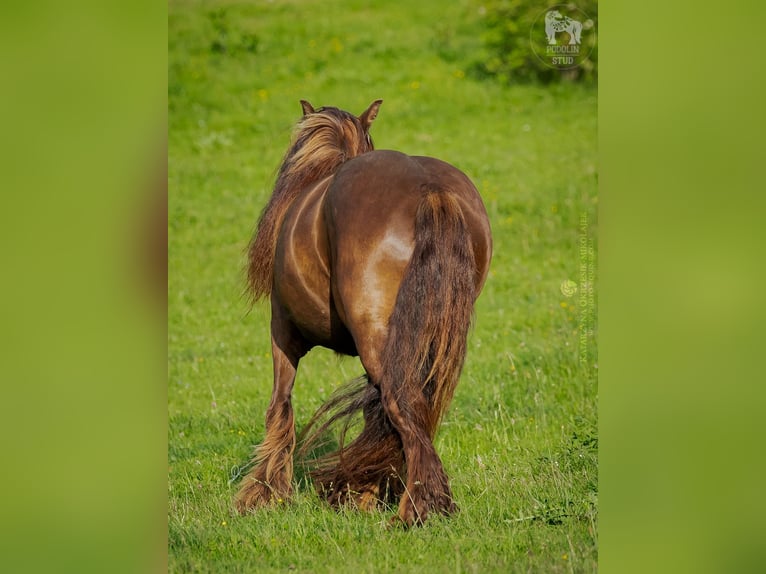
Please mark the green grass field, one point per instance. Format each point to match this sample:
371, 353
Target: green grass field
520, 440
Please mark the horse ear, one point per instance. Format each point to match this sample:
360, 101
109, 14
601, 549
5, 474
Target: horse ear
370, 114
307, 108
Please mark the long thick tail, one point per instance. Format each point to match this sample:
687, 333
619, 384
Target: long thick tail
428, 329
425, 348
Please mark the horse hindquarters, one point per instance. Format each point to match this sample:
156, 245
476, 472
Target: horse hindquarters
413, 351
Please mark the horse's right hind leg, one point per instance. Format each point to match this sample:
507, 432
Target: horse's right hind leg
270, 480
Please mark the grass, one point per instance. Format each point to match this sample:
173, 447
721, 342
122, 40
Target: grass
520, 441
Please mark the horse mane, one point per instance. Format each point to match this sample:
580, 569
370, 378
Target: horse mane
321, 142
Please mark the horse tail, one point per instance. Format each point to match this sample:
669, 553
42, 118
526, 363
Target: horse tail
428, 329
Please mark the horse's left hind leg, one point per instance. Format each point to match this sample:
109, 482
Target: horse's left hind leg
270, 480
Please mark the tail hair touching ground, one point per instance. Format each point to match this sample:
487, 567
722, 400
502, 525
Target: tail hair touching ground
425, 349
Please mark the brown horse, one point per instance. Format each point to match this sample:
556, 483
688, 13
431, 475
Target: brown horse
376, 254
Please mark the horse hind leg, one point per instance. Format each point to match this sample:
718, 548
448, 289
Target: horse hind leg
380, 461
410, 415
270, 479
427, 488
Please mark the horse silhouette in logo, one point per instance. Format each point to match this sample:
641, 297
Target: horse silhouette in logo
555, 22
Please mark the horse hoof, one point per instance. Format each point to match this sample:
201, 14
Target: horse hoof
397, 521
409, 515
256, 494
412, 513
368, 500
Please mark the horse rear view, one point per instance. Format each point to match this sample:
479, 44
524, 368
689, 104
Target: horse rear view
376, 254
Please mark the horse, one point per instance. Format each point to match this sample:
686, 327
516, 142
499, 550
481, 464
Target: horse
375, 254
